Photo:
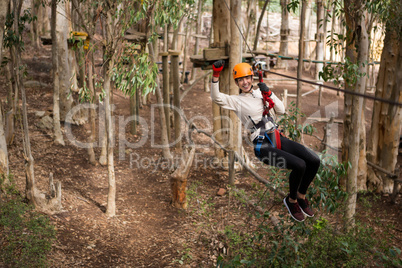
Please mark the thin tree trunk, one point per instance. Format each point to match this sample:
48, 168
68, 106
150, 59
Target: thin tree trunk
13, 66
92, 112
35, 23
29, 160
307, 27
235, 57
328, 12
133, 113
257, 35
43, 21
166, 83
62, 32
251, 19
301, 53
3, 143
283, 48
320, 38
3, 14
3, 148
197, 39
176, 100
111, 197
164, 136
185, 53
58, 136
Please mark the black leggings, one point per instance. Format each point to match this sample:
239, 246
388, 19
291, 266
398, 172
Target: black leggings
303, 162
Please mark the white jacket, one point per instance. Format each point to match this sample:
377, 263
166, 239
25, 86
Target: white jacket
245, 105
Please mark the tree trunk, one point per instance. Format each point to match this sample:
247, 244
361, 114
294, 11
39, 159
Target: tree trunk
58, 136
111, 197
386, 121
307, 27
35, 27
320, 38
283, 48
257, 35
251, 20
3, 14
3, 143
47, 204
176, 99
179, 179
133, 113
62, 32
221, 29
92, 112
235, 57
197, 39
166, 83
164, 135
357, 52
328, 13
185, 49
43, 21
3, 148
301, 53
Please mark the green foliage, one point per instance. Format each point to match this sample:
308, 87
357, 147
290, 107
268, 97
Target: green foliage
26, 235
314, 243
12, 38
325, 189
328, 247
288, 123
171, 11
343, 73
273, 6
293, 6
185, 255
134, 72
392, 16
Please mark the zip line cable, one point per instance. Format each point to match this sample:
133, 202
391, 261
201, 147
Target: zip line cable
310, 82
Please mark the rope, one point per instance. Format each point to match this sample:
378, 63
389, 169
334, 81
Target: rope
307, 81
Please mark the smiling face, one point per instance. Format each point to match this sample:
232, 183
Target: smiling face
245, 83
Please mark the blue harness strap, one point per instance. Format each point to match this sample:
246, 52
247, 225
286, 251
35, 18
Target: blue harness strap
257, 147
260, 140
266, 135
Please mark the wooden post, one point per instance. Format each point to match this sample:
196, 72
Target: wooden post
285, 98
176, 97
231, 168
166, 90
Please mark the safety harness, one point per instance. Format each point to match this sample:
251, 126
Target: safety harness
273, 134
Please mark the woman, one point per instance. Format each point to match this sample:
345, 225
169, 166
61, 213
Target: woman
269, 146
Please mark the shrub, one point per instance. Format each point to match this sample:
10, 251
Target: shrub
26, 236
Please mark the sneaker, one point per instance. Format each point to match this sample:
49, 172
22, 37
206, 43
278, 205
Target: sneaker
294, 209
305, 207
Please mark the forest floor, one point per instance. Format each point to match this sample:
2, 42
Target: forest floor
147, 230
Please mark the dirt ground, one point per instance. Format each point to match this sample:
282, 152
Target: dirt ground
147, 231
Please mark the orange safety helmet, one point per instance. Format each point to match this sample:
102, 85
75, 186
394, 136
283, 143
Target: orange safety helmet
241, 70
